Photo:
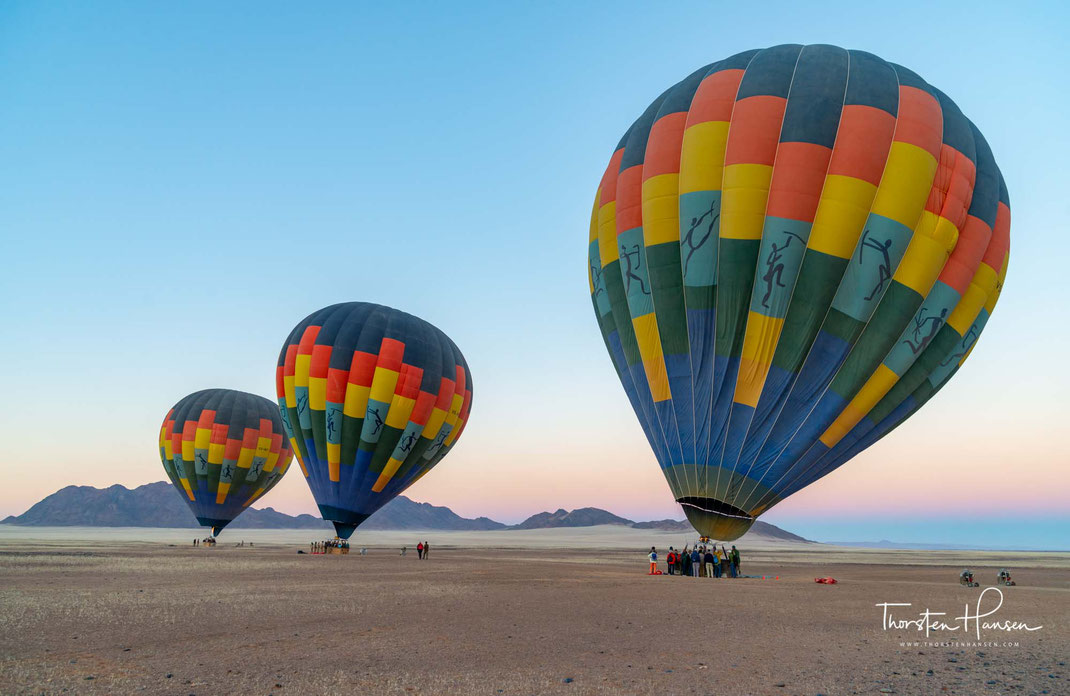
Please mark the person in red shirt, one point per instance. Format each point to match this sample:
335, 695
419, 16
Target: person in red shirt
420, 550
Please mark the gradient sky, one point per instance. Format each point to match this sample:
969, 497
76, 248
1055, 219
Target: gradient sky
180, 183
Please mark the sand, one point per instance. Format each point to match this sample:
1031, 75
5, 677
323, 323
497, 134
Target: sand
509, 616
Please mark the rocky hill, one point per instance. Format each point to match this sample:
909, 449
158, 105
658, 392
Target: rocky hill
158, 505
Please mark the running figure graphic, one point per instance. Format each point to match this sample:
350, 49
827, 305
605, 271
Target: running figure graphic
884, 273
775, 267
330, 422
408, 441
226, 472
596, 279
967, 342
302, 403
378, 420
629, 274
689, 238
934, 323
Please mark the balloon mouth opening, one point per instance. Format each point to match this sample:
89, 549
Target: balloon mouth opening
216, 525
344, 530
716, 519
345, 521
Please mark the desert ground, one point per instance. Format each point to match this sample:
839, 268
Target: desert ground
541, 612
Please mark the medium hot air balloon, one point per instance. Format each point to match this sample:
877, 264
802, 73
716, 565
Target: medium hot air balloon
791, 251
223, 449
372, 398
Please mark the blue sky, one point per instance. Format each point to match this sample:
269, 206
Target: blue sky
180, 183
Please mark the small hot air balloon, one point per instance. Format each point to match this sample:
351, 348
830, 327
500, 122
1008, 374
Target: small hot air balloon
372, 398
791, 250
223, 449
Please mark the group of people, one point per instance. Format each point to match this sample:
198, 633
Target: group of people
700, 561
207, 541
326, 546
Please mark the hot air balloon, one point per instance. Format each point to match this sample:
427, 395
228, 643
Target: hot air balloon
223, 449
372, 399
791, 251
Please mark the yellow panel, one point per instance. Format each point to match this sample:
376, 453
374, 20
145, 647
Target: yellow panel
922, 263
189, 491
388, 472
317, 393
905, 185
990, 305
257, 494
759, 344
702, 156
293, 446
661, 209
649, 340
384, 382
301, 366
607, 234
202, 438
334, 452
272, 460
356, 405
594, 216
221, 494
400, 409
434, 422
873, 391
263, 446
163, 433
168, 449
841, 215
187, 450
245, 458
746, 192
593, 237
291, 394
966, 311
215, 453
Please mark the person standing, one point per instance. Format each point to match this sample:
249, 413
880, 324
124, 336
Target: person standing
735, 561
420, 550
708, 562
427, 550
653, 557
696, 562
670, 560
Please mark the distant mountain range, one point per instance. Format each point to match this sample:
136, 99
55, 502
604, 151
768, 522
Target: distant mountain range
157, 505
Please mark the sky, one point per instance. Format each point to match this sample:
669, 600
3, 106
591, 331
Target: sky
181, 183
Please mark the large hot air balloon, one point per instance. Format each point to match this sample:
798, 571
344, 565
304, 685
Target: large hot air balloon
372, 398
791, 251
223, 449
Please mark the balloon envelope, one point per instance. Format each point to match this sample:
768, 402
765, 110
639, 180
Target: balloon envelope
790, 251
223, 449
372, 398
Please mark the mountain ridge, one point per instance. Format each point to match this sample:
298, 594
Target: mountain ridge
157, 505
